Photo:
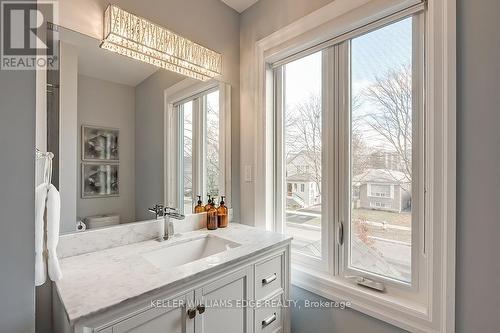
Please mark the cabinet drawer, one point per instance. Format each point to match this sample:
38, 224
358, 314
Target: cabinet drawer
268, 277
269, 319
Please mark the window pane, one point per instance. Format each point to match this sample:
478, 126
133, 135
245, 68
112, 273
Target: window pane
302, 119
381, 151
213, 155
187, 112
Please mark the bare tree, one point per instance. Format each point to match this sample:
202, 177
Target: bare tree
303, 126
212, 153
392, 119
188, 153
303, 134
359, 150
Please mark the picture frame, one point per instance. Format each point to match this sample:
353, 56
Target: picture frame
100, 143
100, 180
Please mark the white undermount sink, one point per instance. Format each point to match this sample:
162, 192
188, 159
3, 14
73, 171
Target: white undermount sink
187, 251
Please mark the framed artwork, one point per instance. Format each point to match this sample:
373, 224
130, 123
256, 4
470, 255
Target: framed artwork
100, 180
100, 143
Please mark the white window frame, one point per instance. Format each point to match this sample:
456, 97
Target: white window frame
432, 311
323, 263
175, 95
335, 149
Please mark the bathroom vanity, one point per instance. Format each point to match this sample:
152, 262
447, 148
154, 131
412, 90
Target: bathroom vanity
228, 280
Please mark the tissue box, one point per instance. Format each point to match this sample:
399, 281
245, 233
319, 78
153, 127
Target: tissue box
99, 221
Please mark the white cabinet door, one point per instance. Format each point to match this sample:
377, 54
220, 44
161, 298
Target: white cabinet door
171, 317
223, 304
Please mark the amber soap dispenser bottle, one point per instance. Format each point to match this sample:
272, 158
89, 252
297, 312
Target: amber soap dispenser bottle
222, 214
209, 203
211, 215
199, 206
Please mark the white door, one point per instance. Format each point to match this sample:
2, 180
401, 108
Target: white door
169, 316
223, 309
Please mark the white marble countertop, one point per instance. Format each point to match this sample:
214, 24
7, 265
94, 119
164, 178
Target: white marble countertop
97, 281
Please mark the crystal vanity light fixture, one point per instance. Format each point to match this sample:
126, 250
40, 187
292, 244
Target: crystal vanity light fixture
138, 38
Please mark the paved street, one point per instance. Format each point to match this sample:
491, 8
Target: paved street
393, 253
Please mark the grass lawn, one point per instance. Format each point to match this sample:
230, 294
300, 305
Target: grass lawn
401, 219
371, 230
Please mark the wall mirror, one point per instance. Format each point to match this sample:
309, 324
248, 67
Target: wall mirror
127, 135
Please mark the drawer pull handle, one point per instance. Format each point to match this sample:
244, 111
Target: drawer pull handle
191, 313
269, 279
269, 321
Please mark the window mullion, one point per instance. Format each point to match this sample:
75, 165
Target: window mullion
329, 131
173, 151
224, 143
198, 148
202, 156
180, 158
419, 159
279, 183
343, 190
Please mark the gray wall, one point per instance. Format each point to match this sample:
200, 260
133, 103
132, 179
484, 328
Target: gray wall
257, 22
149, 108
68, 135
109, 104
17, 201
478, 179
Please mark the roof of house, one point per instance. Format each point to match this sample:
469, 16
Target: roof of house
380, 176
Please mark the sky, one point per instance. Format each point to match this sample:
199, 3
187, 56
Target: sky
375, 53
372, 55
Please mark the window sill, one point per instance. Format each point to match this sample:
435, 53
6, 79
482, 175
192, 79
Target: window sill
406, 314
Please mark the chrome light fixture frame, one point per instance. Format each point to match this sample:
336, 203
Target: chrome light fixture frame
138, 38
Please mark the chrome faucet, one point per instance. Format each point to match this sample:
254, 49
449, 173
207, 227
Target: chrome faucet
168, 213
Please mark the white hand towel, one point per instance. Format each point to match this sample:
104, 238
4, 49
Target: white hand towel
53, 217
40, 268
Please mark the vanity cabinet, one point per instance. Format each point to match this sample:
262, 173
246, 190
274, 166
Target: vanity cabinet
213, 307
172, 318
243, 298
224, 310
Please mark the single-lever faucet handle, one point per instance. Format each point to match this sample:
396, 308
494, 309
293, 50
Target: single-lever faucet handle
169, 209
158, 210
174, 213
